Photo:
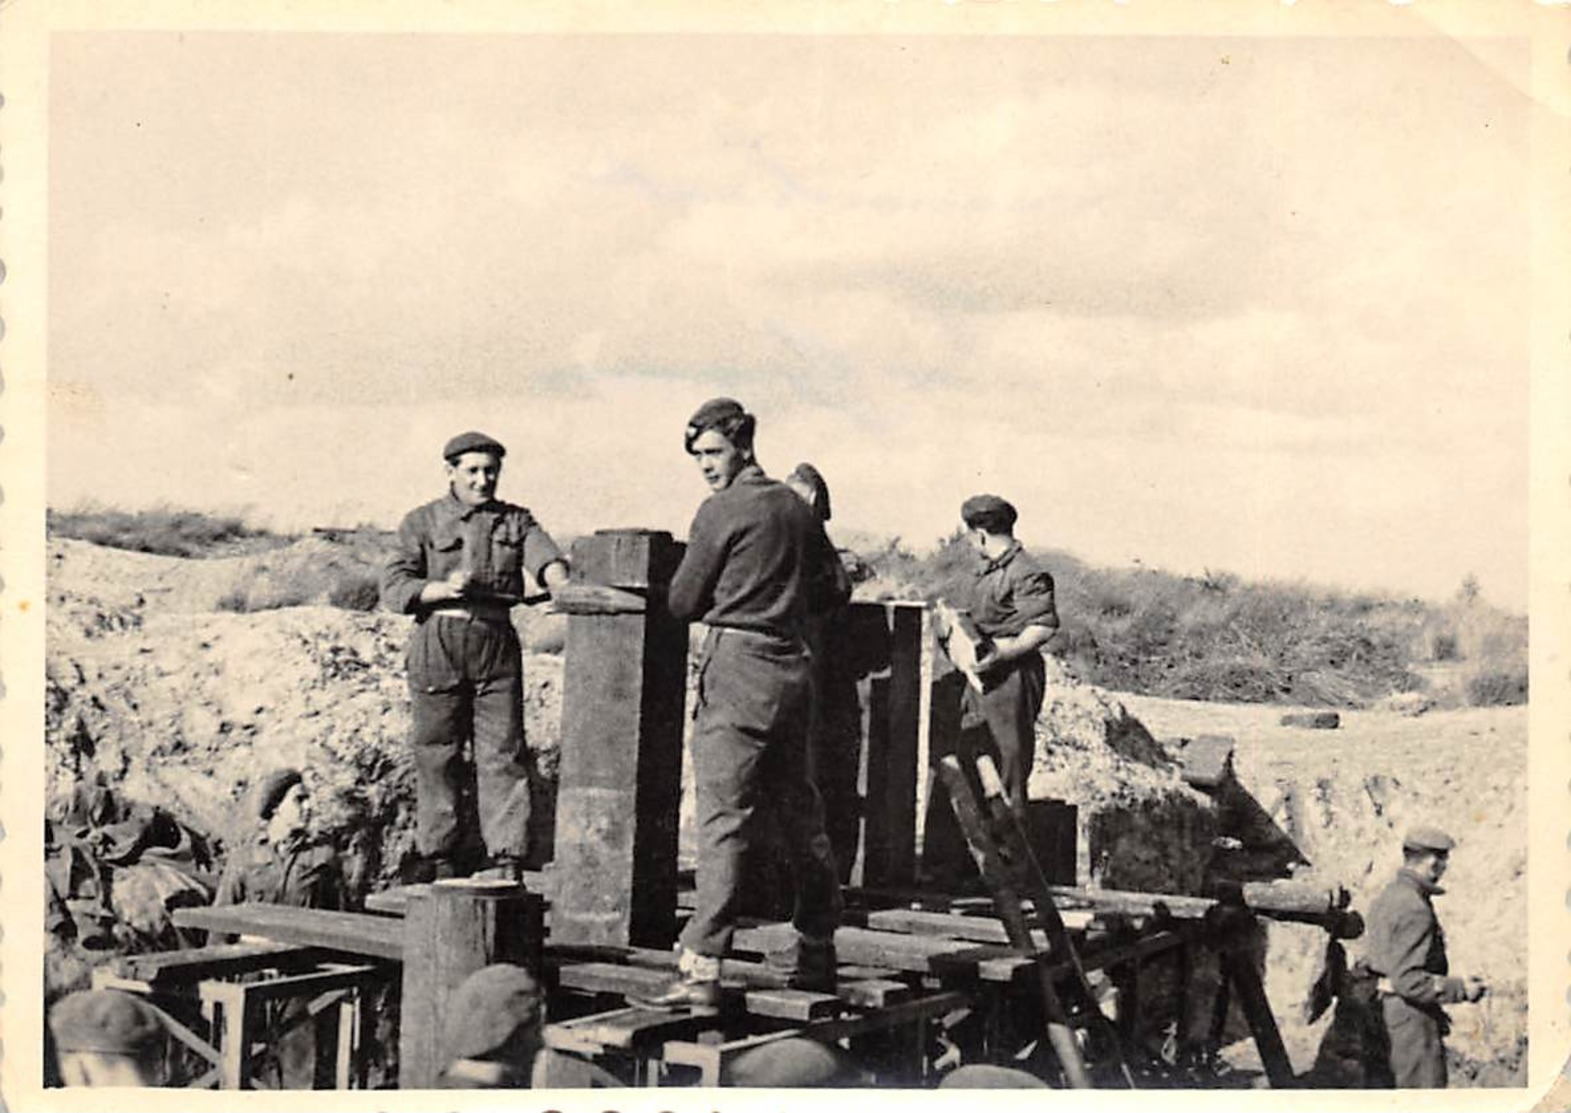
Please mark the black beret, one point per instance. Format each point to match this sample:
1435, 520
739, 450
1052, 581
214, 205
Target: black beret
105, 1021
472, 442
725, 415
488, 1007
272, 789
988, 512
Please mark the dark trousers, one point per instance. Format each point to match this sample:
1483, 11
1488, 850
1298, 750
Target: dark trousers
1006, 711
1418, 1054
466, 683
749, 758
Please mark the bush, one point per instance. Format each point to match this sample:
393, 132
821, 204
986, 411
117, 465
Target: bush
242, 599
355, 591
1497, 688
166, 531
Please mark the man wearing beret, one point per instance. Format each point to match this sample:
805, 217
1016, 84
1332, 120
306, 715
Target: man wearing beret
1407, 949
1011, 601
104, 1037
459, 569
757, 567
282, 863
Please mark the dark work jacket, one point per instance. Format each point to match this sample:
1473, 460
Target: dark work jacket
757, 559
496, 543
1407, 945
299, 874
1012, 592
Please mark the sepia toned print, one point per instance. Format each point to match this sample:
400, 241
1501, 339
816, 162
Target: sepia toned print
1155, 708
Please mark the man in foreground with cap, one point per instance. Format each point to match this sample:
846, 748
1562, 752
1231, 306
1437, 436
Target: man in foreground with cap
459, 569
104, 1037
757, 566
1011, 602
1407, 949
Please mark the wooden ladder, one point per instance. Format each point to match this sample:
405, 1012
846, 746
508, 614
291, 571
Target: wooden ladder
1009, 869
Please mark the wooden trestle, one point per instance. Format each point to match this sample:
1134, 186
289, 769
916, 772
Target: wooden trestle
922, 976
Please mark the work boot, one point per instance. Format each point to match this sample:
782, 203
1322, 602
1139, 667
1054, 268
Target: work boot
696, 986
502, 867
807, 963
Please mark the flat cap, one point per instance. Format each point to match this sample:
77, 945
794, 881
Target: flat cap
104, 1021
472, 442
1427, 838
271, 790
489, 1007
723, 414
988, 512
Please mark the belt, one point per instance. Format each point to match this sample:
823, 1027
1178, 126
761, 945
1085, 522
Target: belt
784, 641
476, 613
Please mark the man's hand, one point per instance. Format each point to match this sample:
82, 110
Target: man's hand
458, 583
1476, 988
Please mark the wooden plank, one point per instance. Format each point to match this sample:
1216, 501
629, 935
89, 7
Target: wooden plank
891, 745
217, 961
873, 993
791, 1004
587, 598
354, 933
394, 901
624, 687
624, 1029
950, 925
912, 953
607, 977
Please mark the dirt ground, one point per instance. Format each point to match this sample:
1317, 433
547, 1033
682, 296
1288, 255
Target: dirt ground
1346, 795
184, 704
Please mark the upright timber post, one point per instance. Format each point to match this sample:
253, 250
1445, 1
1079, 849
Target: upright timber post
452, 929
624, 688
893, 702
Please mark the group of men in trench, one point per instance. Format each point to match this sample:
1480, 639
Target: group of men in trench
762, 576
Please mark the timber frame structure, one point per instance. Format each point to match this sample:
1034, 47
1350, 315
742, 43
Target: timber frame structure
1081, 986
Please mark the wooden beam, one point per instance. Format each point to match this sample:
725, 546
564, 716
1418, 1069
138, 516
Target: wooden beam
353, 933
890, 773
449, 932
624, 688
162, 968
1262, 1023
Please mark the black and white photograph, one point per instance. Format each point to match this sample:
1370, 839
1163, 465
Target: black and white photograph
866, 546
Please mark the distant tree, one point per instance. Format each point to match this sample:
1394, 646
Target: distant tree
1470, 590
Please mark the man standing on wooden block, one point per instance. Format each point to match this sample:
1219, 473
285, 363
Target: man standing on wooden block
1407, 949
1011, 602
757, 566
459, 569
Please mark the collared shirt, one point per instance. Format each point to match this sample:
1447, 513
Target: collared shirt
1012, 592
495, 543
757, 559
1406, 943
300, 873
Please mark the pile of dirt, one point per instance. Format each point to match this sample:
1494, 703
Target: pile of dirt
1345, 796
1142, 827
187, 708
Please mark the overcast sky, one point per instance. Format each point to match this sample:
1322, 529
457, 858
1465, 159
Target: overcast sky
1244, 304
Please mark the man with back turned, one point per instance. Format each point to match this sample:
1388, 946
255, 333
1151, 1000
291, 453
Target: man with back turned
757, 566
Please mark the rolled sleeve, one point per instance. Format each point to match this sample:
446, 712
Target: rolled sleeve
1033, 600
539, 549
